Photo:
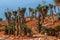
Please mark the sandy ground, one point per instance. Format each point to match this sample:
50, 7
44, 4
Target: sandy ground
34, 37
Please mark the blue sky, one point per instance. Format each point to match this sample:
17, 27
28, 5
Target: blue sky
14, 4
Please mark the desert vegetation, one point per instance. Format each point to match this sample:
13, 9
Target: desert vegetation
17, 25
17, 22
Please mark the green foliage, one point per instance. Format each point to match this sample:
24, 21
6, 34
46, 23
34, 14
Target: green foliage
1, 19
15, 13
14, 18
11, 29
29, 30
49, 31
25, 29
32, 12
51, 6
22, 10
30, 9
38, 7
43, 28
22, 25
57, 33
6, 29
58, 28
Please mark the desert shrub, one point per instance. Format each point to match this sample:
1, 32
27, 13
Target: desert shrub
58, 18
43, 30
6, 30
29, 31
25, 29
22, 25
11, 29
49, 31
1, 19
57, 31
58, 28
